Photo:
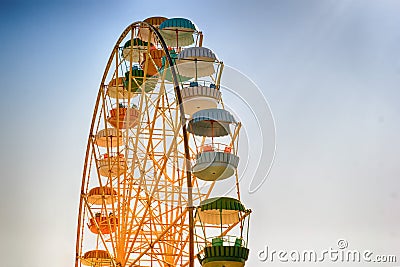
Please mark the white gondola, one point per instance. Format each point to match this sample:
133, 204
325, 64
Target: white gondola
196, 62
197, 97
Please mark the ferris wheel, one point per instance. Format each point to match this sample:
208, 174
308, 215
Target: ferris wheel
160, 141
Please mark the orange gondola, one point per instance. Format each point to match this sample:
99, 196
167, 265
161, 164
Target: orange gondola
103, 224
155, 61
128, 117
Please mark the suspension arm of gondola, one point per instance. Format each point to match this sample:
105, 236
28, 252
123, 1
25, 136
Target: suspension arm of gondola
221, 68
201, 39
235, 134
247, 213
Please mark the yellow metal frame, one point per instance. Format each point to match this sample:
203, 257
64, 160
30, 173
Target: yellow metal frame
154, 197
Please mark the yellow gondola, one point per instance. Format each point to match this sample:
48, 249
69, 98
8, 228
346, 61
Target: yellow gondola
101, 194
96, 258
116, 89
109, 137
112, 165
144, 32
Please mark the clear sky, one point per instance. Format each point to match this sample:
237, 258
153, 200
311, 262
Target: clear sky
330, 71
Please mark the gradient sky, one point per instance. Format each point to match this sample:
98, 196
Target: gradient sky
330, 71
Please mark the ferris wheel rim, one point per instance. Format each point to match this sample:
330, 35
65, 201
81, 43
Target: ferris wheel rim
183, 128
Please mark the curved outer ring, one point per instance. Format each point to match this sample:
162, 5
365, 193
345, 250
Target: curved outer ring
184, 132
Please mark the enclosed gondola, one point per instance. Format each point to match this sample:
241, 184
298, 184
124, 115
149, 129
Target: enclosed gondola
145, 33
109, 137
136, 80
104, 224
112, 165
123, 117
196, 62
96, 258
177, 32
224, 250
199, 97
101, 195
116, 89
133, 50
214, 161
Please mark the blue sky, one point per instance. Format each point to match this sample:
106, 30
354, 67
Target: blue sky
330, 71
